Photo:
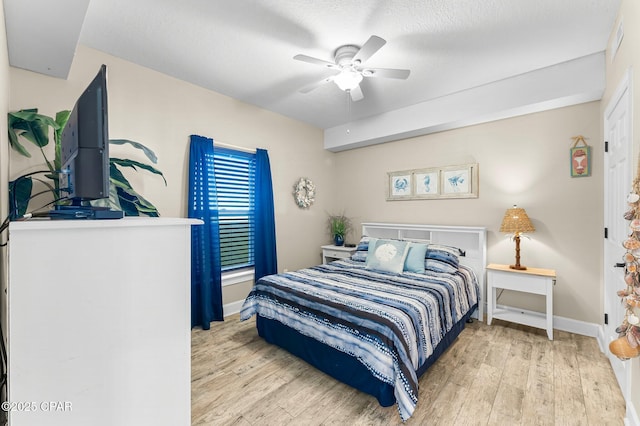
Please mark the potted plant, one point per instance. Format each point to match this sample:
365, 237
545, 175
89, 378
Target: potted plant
339, 227
31, 126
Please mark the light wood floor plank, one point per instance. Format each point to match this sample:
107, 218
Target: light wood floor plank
538, 403
444, 409
569, 402
478, 404
492, 375
517, 364
602, 397
507, 407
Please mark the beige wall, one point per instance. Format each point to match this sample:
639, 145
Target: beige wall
161, 112
523, 161
627, 57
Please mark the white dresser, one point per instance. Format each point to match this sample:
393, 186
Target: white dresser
99, 322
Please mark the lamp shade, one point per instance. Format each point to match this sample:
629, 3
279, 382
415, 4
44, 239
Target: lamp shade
515, 221
347, 79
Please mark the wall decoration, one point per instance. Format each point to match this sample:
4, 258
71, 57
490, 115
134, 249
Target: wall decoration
400, 186
304, 193
434, 183
580, 157
427, 183
459, 181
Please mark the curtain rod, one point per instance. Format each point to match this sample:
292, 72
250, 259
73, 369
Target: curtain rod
228, 145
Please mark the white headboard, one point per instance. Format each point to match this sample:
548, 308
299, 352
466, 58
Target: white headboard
470, 239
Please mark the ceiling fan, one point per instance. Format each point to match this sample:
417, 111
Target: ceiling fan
348, 62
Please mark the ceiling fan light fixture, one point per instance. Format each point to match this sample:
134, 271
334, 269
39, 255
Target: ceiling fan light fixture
348, 79
348, 60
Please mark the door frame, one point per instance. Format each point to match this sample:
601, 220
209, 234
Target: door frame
624, 86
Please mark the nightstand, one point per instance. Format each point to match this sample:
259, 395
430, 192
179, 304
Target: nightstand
331, 253
530, 280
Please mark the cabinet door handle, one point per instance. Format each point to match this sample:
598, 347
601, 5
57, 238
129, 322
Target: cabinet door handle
619, 265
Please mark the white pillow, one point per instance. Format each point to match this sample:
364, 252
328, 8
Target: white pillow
387, 255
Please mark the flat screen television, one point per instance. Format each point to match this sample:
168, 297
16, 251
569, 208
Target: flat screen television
84, 154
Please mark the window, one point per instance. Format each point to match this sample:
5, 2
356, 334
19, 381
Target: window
235, 185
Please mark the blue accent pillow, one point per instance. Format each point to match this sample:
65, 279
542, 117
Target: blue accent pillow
415, 261
361, 250
387, 255
440, 258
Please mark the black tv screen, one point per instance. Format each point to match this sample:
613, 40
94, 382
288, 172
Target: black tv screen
84, 146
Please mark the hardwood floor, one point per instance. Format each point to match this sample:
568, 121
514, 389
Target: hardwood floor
502, 374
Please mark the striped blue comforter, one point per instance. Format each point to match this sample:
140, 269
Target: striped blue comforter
391, 323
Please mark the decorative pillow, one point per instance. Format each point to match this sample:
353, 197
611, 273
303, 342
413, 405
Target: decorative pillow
440, 258
361, 250
387, 255
415, 258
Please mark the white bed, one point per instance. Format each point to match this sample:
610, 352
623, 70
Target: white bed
374, 329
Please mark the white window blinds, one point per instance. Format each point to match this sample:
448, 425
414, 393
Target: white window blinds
235, 186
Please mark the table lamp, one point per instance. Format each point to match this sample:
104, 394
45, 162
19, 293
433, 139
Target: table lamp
516, 222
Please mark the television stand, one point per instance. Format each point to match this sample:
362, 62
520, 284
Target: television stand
85, 212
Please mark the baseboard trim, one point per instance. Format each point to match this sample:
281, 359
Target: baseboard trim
565, 324
577, 327
631, 417
232, 308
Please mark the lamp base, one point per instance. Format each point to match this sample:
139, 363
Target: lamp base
517, 266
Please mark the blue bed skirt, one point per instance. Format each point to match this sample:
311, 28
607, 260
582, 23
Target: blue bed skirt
340, 365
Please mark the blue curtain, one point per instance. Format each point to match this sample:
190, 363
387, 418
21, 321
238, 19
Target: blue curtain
266, 262
206, 279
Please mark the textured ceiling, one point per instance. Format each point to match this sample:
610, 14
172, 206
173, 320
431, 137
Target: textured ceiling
245, 48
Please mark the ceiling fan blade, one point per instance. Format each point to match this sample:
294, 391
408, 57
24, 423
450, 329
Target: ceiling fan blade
369, 48
356, 94
386, 73
316, 61
310, 87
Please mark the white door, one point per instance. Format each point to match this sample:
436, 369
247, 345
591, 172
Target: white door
617, 184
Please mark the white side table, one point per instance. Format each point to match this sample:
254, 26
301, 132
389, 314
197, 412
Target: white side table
530, 280
331, 253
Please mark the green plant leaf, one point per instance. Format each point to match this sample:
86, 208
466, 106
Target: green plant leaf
135, 204
127, 203
19, 195
62, 117
61, 120
32, 126
133, 164
117, 177
339, 224
17, 146
120, 184
149, 153
132, 203
14, 123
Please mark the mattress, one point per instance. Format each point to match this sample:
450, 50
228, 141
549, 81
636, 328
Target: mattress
377, 331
